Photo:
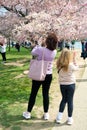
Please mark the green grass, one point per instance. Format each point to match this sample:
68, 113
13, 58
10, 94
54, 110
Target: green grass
14, 92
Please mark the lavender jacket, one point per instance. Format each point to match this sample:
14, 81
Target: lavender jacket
48, 56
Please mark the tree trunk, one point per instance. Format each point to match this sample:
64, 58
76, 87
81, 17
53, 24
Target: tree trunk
9, 44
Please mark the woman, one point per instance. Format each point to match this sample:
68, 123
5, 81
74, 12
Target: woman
66, 65
3, 49
49, 55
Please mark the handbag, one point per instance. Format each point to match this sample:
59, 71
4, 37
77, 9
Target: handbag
38, 69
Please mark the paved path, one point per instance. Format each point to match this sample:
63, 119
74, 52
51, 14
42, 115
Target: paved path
80, 108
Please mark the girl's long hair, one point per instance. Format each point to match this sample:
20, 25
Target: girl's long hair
64, 59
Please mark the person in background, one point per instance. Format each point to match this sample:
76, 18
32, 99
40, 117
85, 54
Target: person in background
66, 65
61, 44
72, 44
67, 44
83, 49
36, 42
83, 45
17, 46
3, 50
49, 55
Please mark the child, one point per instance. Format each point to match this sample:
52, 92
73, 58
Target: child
66, 65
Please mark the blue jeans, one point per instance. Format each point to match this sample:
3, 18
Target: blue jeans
67, 92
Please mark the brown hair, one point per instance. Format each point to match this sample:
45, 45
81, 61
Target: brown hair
51, 41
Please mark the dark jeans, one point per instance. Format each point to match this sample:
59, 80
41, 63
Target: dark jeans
45, 92
67, 92
3, 56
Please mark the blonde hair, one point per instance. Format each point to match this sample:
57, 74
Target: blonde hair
64, 59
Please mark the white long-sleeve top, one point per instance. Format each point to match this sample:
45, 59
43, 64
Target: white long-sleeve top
3, 48
68, 77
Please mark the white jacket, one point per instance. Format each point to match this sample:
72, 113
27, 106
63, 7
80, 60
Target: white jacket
3, 48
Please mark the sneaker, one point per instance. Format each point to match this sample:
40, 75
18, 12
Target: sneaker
59, 117
58, 121
2, 62
70, 121
27, 115
46, 116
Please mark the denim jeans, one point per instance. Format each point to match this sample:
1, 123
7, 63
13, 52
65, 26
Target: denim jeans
67, 92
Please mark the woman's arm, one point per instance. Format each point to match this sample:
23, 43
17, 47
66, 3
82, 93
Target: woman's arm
35, 50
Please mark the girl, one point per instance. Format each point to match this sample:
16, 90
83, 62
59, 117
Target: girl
66, 65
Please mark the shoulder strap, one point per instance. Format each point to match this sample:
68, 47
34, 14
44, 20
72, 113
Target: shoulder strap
43, 54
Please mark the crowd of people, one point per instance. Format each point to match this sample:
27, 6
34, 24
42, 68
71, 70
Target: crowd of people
66, 66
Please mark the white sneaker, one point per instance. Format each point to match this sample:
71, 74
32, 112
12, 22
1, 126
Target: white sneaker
58, 121
59, 117
27, 115
2, 62
70, 121
46, 116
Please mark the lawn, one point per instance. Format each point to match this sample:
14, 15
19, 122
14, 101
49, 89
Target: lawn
14, 92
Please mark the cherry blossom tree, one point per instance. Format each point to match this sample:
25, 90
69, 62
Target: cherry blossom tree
67, 18
7, 24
